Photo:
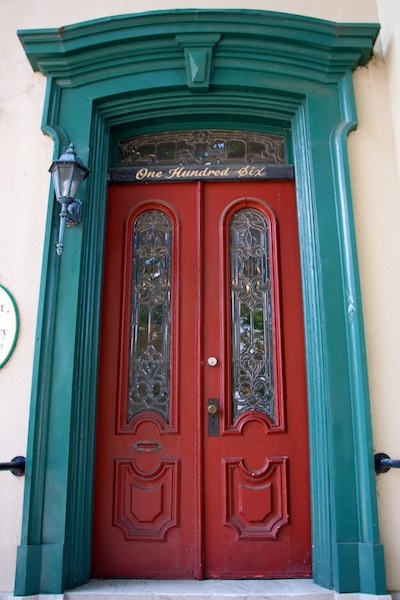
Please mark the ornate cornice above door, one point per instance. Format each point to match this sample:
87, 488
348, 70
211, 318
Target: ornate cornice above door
272, 43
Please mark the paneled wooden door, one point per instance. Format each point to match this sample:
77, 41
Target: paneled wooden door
202, 447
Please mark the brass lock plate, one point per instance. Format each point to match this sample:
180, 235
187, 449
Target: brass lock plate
213, 416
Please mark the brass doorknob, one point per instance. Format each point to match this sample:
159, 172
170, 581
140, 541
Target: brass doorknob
212, 409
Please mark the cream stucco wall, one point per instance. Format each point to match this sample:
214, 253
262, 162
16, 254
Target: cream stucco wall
374, 160
389, 17
377, 218
375, 168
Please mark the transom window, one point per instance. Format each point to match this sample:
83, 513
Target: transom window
202, 147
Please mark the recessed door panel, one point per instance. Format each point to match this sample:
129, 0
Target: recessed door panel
202, 449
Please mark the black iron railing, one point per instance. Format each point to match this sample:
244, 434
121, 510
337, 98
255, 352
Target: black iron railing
16, 466
383, 463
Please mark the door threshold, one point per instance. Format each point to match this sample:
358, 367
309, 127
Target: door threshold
208, 589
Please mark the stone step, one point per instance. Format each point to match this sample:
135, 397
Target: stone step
136, 589
146, 589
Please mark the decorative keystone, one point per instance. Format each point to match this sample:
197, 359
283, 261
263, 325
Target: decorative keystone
198, 51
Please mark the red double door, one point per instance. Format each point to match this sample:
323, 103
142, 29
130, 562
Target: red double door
202, 448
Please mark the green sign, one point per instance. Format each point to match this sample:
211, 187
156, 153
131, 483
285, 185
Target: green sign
9, 321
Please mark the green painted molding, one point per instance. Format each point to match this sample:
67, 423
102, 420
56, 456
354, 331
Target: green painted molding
198, 56
363, 455
352, 301
315, 341
269, 72
321, 49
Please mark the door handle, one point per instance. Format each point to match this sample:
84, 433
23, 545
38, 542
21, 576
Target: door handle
213, 420
212, 408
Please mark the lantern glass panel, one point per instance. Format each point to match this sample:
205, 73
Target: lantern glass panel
67, 179
65, 173
77, 178
56, 180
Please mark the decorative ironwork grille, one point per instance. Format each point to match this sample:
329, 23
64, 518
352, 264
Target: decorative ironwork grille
149, 362
202, 147
252, 315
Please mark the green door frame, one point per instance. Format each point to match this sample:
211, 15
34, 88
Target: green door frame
194, 69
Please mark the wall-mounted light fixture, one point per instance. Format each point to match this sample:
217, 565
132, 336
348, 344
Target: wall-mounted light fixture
68, 172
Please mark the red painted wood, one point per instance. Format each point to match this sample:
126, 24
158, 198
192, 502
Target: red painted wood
171, 501
129, 545
241, 464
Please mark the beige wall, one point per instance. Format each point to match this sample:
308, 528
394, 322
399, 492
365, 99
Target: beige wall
389, 17
377, 218
375, 167
43, 13
25, 158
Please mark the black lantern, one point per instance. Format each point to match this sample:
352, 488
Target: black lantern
67, 173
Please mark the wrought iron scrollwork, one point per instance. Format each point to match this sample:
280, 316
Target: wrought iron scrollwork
149, 367
252, 327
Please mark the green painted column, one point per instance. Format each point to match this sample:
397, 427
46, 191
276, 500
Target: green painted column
47, 533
